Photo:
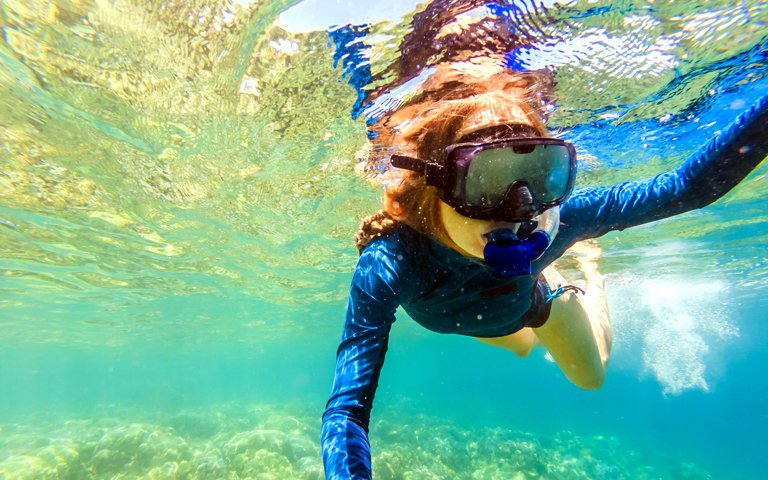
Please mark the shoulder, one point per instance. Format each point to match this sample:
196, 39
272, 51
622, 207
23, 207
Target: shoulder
388, 261
583, 197
396, 249
400, 238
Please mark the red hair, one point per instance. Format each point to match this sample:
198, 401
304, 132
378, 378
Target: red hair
454, 103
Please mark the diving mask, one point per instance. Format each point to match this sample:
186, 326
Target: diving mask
511, 180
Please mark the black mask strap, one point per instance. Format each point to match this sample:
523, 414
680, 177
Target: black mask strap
432, 172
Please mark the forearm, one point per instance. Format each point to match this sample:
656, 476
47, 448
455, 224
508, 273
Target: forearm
344, 438
719, 165
346, 451
708, 174
360, 357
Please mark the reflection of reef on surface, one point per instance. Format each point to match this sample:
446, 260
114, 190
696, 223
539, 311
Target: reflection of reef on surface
131, 129
260, 442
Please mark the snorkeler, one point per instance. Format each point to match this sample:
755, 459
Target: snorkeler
485, 202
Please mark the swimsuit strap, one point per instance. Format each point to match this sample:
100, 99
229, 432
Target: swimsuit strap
553, 294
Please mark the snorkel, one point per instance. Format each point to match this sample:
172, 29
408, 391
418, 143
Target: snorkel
509, 252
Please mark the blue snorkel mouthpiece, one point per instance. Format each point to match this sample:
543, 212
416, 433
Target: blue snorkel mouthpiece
508, 256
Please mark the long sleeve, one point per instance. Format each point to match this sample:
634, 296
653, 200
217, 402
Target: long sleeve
371, 309
708, 174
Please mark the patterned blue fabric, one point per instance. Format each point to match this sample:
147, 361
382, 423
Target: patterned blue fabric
449, 293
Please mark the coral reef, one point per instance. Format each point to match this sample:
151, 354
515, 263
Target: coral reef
264, 442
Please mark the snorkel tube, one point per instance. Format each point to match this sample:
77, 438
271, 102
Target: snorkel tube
509, 252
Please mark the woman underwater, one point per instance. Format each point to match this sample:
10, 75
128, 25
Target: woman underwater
485, 202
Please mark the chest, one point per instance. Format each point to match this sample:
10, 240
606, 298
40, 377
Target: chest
470, 301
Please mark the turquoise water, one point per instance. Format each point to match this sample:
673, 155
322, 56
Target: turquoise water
177, 201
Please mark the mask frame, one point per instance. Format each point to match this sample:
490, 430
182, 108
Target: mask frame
520, 199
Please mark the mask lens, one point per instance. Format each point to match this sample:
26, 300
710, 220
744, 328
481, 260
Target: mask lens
545, 168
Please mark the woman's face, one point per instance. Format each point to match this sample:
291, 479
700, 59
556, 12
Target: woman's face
469, 234
496, 107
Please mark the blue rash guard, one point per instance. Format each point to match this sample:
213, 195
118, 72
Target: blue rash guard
448, 293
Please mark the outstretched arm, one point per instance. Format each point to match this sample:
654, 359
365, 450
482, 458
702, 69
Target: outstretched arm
708, 174
370, 314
